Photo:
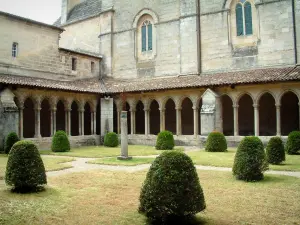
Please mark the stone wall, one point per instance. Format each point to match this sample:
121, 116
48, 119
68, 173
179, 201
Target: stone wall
270, 45
38, 54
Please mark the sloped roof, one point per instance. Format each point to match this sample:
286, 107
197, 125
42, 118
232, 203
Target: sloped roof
83, 10
108, 85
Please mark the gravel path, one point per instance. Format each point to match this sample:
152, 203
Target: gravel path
81, 165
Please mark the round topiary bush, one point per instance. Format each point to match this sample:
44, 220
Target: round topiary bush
25, 169
171, 188
275, 151
111, 140
250, 160
60, 142
165, 141
216, 142
292, 146
11, 139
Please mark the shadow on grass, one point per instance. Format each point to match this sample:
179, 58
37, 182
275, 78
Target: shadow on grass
44, 191
189, 220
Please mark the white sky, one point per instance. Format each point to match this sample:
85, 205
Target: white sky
46, 11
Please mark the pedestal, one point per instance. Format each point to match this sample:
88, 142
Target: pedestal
124, 137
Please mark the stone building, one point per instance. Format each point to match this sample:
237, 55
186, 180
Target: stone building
188, 66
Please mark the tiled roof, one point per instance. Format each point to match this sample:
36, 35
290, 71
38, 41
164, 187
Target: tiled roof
87, 85
108, 85
84, 10
268, 75
82, 52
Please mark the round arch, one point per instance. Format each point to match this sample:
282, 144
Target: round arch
246, 115
267, 114
154, 117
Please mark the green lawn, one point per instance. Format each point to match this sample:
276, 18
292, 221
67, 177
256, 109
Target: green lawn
51, 164
106, 197
101, 151
225, 159
114, 161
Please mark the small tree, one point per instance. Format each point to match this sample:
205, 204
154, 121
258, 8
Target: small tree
165, 141
275, 151
171, 188
25, 169
216, 142
60, 142
11, 139
111, 140
292, 146
250, 160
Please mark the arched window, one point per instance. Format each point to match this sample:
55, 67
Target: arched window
243, 12
146, 36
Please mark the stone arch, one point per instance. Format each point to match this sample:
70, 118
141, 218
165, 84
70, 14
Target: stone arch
165, 99
170, 115
246, 115
45, 124
143, 12
227, 115
75, 118
289, 112
140, 118
87, 119
258, 97
154, 117
60, 115
187, 116
29, 118
267, 114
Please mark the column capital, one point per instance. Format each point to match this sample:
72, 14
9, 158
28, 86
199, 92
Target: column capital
53, 109
162, 109
37, 108
178, 108
147, 110
235, 106
256, 106
195, 108
132, 110
278, 105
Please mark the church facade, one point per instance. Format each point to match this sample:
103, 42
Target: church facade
188, 66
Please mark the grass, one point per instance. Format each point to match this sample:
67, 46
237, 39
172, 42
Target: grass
226, 159
101, 151
114, 161
51, 164
106, 197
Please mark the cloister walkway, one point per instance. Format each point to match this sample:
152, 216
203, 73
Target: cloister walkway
81, 165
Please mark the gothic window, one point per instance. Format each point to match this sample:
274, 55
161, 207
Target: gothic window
14, 50
146, 36
243, 11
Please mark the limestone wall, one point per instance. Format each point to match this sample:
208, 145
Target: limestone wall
38, 54
270, 45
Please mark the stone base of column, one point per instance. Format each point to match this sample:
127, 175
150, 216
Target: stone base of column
124, 157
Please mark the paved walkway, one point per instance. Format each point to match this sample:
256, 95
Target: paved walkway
81, 165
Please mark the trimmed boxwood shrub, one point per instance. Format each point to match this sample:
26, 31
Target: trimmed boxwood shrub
275, 151
292, 146
111, 140
11, 139
165, 141
25, 169
60, 142
216, 142
250, 160
171, 188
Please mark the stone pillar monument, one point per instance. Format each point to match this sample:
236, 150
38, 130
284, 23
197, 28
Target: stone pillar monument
124, 137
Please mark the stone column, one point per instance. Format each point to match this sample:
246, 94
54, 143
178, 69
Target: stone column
21, 108
299, 115
124, 137
95, 123
196, 121
278, 120
81, 122
53, 121
132, 114
147, 121
178, 121
92, 123
162, 119
38, 121
236, 119
119, 121
256, 119
68, 120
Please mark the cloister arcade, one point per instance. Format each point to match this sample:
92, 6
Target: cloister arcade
260, 113
242, 114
